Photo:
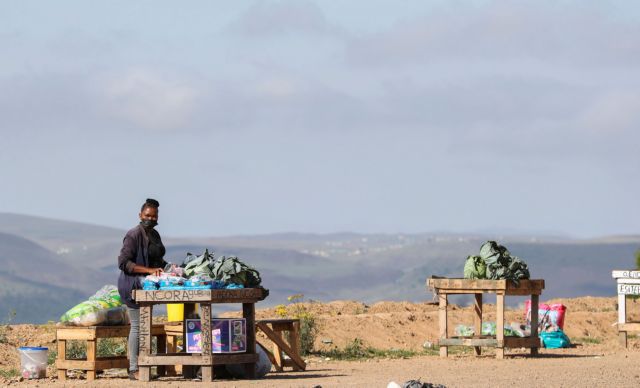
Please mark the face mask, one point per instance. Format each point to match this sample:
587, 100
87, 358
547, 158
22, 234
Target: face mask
148, 224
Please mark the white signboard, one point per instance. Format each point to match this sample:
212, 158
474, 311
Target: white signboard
629, 289
625, 274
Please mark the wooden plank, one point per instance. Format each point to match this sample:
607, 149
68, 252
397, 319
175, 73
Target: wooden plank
249, 314
102, 364
471, 284
146, 311
474, 285
477, 320
245, 295
294, 341
625, 274
500, 325
196, 359
535, 301
521, 342
277, 351
173, 328
631, 326
442, 318
92, 332
276, 338
82, 364
486, 342
76, 333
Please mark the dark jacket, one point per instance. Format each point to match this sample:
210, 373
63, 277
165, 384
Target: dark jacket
135, 250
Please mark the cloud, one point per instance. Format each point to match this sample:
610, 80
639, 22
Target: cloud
501, 31
266, 19
148, 99
614, 113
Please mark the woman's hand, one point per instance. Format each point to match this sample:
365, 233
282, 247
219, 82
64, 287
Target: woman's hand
154, 271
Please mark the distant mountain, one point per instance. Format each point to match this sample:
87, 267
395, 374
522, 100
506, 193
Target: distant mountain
47, 266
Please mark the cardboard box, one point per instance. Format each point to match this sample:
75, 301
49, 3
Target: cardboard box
228, 335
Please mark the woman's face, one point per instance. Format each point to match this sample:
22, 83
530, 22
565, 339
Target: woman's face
149, 213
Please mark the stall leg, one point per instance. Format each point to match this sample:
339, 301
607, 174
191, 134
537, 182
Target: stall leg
478, 321
145, 340
62, 355
205, 321
535, 339
188, 371
442, 313
249, 314
500, 326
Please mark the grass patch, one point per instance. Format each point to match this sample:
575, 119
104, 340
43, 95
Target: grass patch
51, 357
4, 326
357, 350
106, 347
9, 373
589, 340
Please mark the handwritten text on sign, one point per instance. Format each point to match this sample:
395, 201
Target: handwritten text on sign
629, 289
176, 295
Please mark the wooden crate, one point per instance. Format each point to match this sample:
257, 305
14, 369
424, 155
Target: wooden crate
91, 334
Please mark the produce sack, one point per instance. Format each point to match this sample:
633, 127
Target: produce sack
550, 316
199, 265
500, 263
232, 270
475, 268
555, 339
103, 308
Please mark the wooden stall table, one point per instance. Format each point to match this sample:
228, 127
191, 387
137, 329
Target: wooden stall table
628, 283
444, 287
90, 335
206, 360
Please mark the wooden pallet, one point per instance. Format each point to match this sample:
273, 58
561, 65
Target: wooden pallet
91, 334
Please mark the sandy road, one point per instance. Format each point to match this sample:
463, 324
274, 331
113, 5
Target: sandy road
553, 368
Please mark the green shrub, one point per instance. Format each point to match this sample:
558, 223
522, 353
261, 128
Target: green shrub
308, 324
9, 373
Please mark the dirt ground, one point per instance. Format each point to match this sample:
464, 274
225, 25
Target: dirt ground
596, 358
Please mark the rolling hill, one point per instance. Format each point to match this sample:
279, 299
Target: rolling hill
49, 266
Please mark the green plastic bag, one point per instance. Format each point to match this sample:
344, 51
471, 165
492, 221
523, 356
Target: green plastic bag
103, 308
475, 268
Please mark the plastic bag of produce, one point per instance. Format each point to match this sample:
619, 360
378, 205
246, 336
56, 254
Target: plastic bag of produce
475, 268
555, 339
102, 308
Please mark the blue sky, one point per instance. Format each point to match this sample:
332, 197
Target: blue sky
322, 116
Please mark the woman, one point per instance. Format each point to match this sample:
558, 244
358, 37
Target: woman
141, 254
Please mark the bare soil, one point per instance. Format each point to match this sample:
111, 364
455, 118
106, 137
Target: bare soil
596, 358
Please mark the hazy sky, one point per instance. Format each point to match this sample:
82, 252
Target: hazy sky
321, 116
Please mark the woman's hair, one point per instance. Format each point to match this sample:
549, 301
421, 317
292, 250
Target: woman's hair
150, 202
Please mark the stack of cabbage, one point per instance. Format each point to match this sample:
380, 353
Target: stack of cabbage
495, 262
103, 308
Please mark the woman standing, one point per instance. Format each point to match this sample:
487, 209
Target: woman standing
141, 254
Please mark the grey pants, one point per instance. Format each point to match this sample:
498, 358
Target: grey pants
134, 333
